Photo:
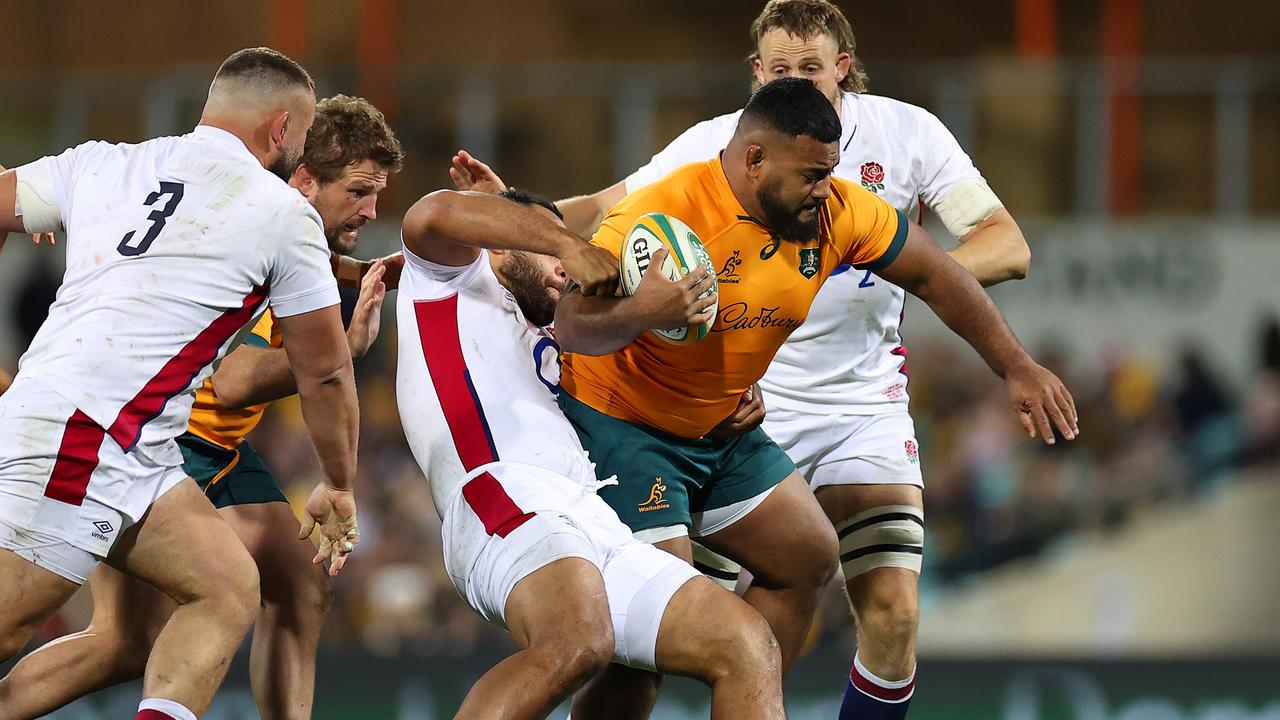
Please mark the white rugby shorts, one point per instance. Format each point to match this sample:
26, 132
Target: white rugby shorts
849, 449
67, 490
493, 545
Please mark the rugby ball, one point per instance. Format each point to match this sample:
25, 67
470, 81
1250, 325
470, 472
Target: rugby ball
684, 253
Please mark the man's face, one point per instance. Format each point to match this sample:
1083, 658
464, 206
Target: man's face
535, 280
817, 58
794, 179
347, 203
294, 137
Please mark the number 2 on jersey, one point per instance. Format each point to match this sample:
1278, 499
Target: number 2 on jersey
866, 281
157, 217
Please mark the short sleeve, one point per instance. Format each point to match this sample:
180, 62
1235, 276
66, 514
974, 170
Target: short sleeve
874, 229
49, 182
301, 278
700, 142
434, 280
943, 162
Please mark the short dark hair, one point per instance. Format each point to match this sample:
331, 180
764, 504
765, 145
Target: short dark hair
525, 197
349, 130
794, 107
804, 19
264, 67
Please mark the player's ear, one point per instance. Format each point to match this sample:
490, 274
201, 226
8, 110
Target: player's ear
843, 60
279, 125
303, 180
757, 68
755, 160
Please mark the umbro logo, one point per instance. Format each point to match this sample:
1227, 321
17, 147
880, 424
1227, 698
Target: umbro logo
104, 528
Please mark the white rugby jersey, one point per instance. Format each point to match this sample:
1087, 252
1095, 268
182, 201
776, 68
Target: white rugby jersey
172, 246
477, 383
848, 355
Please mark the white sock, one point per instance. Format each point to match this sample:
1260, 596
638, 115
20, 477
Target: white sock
175, 710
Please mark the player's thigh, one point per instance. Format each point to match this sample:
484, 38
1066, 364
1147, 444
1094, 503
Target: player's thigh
29, 595
127, 607
269, 532
641, 581
880, 528
185, 549
785, 539
707, 631
562, 602
655, 472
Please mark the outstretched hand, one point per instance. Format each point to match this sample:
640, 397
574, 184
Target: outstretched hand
1042, 403
334, 512
469, 173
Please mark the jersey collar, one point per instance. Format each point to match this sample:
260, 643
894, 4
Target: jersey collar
848, 118
222, 138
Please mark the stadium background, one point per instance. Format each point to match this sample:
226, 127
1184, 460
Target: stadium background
1130, 576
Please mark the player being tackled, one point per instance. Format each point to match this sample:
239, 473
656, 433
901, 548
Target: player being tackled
528, 542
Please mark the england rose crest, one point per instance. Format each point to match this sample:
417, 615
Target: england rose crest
873, 176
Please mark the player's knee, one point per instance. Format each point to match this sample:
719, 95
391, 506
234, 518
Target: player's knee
745, 648
890, 617
816, 559
236, 591
577, 654
310, 597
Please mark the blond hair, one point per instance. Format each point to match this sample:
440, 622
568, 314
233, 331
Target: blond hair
805, 19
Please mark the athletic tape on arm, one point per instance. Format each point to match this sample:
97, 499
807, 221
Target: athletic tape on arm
36, 200
885, 536
969, 203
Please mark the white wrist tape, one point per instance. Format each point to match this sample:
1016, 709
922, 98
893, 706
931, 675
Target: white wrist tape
37, 202
968, 204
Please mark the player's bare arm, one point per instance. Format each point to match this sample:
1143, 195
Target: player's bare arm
252, 375
1038, 396
451, 228
10, 222
601, 325
995, 250
584, 213
322, 366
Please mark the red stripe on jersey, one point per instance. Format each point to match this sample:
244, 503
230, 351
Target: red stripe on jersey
181, 369
77, 459
438, 319
893, 695
493, 506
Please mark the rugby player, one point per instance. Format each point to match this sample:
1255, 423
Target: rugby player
349, 155
528, 542
172, 246
837, 390
768, 207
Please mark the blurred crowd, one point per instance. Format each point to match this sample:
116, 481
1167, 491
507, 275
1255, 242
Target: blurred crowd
992, 495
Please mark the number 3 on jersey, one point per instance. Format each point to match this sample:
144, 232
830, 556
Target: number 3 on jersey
157, 217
